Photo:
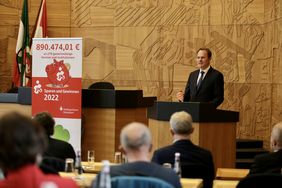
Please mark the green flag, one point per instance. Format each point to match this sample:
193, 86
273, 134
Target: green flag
22, 65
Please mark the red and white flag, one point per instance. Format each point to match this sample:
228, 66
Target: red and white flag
40, 30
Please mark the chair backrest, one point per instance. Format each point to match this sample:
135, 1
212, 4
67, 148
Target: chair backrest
261, 181
138, 182
102, 85
191, 170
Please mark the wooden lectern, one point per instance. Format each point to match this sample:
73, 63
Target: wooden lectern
105, 113
214, 129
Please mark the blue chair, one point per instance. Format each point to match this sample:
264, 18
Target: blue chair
138, 182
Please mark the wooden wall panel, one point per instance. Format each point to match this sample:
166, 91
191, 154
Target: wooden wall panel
162, 136
102, 120
125, 116
6, 108
151, 45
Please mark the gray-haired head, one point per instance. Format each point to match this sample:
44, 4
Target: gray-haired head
276, 136
135, 135
181, 123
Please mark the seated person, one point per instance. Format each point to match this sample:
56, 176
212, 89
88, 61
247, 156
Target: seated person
136, 142
56, 148
261, 180
190, 155
270, 162
21, 144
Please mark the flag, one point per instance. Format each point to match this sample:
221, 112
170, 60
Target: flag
40, 30
22, 58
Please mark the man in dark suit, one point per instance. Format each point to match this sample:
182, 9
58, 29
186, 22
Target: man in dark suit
270, 162
205, 84
136, 142
190, 155
56, 148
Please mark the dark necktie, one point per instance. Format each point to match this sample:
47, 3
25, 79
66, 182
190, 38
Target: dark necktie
201, 79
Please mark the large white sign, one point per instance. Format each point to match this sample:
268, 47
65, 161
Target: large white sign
56, 83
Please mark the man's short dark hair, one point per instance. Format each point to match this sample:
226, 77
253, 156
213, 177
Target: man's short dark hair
46, 120
21, 140
207, 50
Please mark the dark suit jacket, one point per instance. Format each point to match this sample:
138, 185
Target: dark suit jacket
267, 163
59, 149
211, 89
263, 180
142, 168
189, 154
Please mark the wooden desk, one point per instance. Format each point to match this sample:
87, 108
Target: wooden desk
231, 173
225, 183
87, 178
84, 181
191, 183
96, 170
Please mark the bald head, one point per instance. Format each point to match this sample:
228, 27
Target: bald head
135, 135
181, 123
276, 136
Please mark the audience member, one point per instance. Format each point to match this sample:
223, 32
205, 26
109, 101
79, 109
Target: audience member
190, 155
22, 142
56, 148
136, 142
270, 162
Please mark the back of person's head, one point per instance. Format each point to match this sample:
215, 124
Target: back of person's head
46, 120
276, 136
181, 123
21, 141
135, 135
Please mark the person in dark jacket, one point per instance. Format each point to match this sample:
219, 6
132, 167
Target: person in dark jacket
196, 162
270, 162
57, 151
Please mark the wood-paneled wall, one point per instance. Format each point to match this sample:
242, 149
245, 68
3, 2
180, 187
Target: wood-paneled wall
151, 45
